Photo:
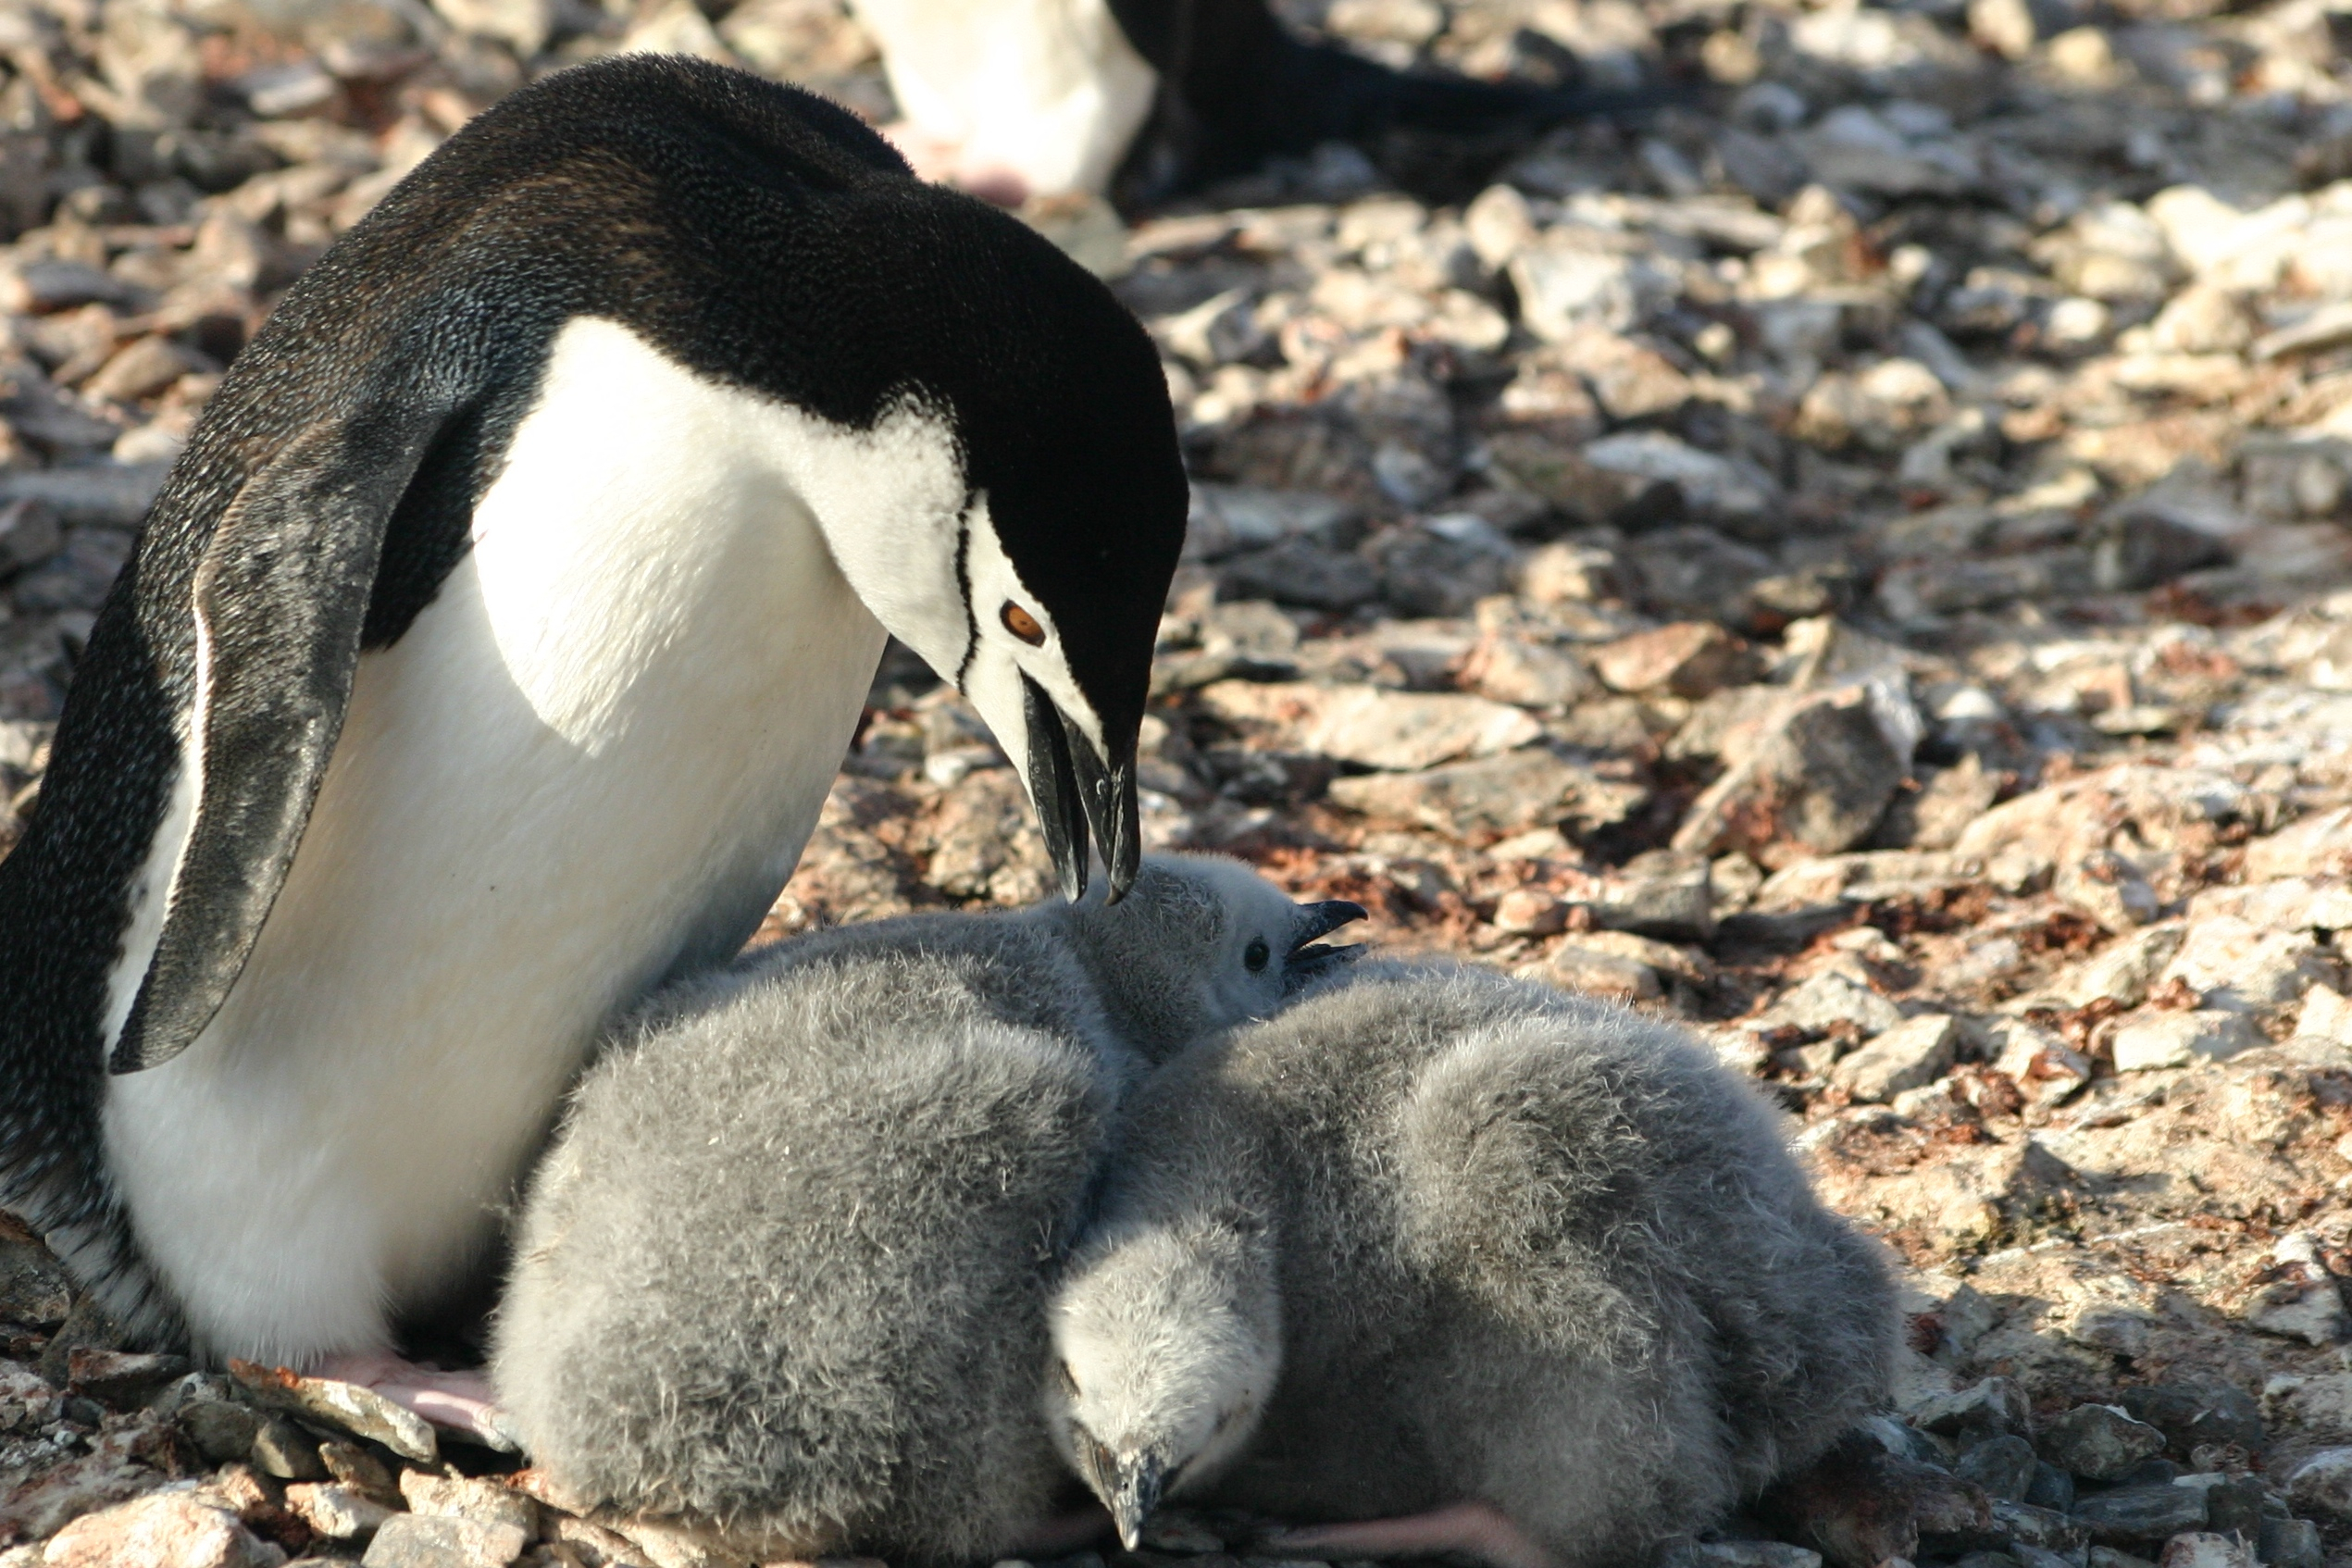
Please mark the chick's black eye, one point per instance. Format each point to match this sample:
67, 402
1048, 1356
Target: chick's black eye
1256, 954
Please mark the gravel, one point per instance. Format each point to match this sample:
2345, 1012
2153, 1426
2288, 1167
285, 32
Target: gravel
1860, 563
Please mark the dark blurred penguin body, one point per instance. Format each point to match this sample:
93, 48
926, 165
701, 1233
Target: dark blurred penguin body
1435, 1244
782, 1278
1057, 95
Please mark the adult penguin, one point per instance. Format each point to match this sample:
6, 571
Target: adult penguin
1015, 98
490, 651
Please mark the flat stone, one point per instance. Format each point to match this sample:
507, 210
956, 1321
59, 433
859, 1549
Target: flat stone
1830, 999
1531, 911
335, 1511
222, 1430
2126, 970
169, 1531
1300, 571
2193, 1414
1527, 673
1910, 1054
1754, 1554
112, 1471
1401, 731
120, 1379
1658, 893
2042, 1528
1714, 486
2182, 1039
1488, 798
459, 1497
2290, 1543
2134, 1515
2316, 845
2205, 1549
1992, 1406
346, 1407
2098, 1442
28, 535
2234, 964
33, 1287
1816, 782
1687, 659
1593, 971
112, 496
282, 1449
2323, 1485
2004, 1465
409, 1541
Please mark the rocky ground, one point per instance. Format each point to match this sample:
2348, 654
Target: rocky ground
1862, 565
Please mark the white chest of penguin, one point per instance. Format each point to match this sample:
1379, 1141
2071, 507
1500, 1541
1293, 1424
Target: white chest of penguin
649, 659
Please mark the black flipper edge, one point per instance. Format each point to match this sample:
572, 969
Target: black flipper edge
280, 597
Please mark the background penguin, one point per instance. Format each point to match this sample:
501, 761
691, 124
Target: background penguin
489, 652
1455, 1263
783, 1274
1015, 98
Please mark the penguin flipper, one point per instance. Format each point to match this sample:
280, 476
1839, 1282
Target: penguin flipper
280, 598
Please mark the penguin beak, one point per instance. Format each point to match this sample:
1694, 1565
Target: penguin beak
1305, 961
1134, 1492
1079, 793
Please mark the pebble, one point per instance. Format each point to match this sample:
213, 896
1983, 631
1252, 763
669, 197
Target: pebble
2130, 1516
2322, 1484
337, 1513
1912, 1054
159, 1532
1537, 523
2098, 1442
2004, 1465
2181, 1040
409, 1541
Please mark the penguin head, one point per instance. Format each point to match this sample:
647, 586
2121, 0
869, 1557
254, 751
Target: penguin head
1166, 1345
1035, 580
1202, 944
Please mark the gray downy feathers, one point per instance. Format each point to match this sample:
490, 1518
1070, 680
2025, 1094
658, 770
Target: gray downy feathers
1433, 1236
782, 1278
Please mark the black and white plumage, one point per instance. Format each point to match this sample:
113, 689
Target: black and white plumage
782, 1276
1436, 1260
1043, 96
489, 652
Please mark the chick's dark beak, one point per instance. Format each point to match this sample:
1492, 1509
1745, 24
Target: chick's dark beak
1134, 1492
1078, 792
1318, 920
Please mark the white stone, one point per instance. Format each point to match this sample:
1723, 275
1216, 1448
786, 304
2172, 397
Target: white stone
2181, 1040
1911, 1055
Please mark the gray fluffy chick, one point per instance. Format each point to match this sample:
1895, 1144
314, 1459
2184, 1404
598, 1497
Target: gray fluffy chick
1530, 1269
779, 1282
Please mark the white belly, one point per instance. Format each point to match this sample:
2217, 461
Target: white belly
598, 751
1049, 89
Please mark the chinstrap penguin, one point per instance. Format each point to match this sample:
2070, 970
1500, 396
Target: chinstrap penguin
487, 655
1437, 1262
1018, 98
781, 1278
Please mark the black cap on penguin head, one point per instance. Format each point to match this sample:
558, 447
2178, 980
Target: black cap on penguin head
1076, 520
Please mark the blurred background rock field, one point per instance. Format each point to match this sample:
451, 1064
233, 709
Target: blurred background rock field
1860, 563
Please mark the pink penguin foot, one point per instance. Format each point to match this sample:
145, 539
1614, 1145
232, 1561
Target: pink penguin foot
1469, 1529
458, 1402
946, 161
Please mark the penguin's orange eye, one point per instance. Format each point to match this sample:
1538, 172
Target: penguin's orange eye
1022, 623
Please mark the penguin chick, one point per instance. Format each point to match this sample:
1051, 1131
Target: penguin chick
781, 1280
1454, 1264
